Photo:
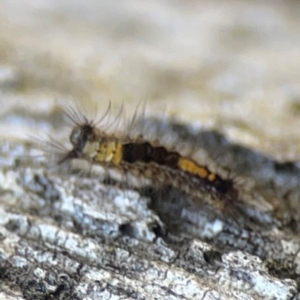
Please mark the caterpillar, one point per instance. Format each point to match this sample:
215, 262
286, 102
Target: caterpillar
144, 158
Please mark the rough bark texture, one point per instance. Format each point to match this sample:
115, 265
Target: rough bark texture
73, 237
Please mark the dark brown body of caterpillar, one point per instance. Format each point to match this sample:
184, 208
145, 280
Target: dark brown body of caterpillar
155, 163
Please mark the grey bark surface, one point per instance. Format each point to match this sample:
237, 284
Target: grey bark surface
65, 236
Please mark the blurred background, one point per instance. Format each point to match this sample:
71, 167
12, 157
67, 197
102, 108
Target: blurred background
228, 65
